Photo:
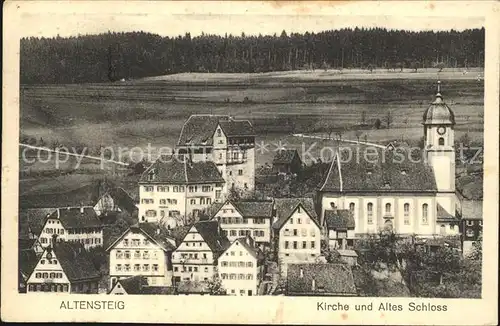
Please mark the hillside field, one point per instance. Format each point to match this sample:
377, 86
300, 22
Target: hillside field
151, 111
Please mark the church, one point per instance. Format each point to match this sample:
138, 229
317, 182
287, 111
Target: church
391, 188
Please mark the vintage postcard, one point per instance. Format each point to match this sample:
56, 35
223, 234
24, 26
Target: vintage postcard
250, 162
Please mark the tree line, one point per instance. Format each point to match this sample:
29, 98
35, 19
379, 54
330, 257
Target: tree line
116, 56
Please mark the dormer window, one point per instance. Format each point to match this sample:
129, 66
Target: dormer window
219, 133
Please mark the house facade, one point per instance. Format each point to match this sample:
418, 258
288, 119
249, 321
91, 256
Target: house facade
246, 218
195, 259
144, 251
227, 142
176, 190
297, 232
73, 224
411, 194
339, 228
240, 267
64, 267
471, 225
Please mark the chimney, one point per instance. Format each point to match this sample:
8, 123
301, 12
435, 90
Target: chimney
302, 273
158, 230
81, 209
313, 285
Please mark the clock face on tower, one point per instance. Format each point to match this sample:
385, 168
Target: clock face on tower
441, 130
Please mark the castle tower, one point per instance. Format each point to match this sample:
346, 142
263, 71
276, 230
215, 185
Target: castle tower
439, 147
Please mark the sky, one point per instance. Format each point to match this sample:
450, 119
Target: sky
234, 18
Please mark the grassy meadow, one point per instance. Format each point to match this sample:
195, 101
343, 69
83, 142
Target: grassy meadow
133, 114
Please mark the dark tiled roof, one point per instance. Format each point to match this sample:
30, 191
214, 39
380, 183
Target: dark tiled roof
285, 156
27, 261
286, 206
386, 172
133, 285
32, 218
192, 287
254, 208
75, 261
25, 244
472, 209
178, 171
339, 219
84, 196
158, 290
199, 129
77, 217
330, 279
237, 128
213, 236
151, 230
444, 216
123, 200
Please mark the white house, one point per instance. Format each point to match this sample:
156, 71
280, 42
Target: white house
412, 194
142, 250
175, 190
195, 259
240, 267
297, 232
64, 267
228, 142
246, 218
73, 224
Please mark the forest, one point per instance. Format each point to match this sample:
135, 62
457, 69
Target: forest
117, 56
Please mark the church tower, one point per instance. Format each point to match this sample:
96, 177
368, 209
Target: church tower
439, 147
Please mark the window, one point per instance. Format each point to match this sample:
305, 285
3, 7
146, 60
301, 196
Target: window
249, 277
313, 232
137, 268
163, 202
241, 264
249, 264
125, 242
406, 214
313, 244
441, 141
286, 244
195, 269
299, 221
176, 189
298, 209
118, 267
219, 133
304, 244
369, 209
291, 221
295, 232
137, 254
387, 208
217, 194
206, 269
232, 233
193, 201
304, 232
469, 232
119, 254
127, 267
295, 245
240, 172
425, 212
145, 255
127, 254
151, 213
470, 223
351, 207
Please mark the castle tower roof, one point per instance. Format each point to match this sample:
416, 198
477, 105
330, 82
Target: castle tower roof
438, 112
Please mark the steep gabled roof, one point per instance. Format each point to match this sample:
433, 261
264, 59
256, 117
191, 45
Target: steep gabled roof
132, 285
181, 171
285, 156
75, 261
151, 231
329, 279
27, 261
247, 208
384, 171
245, 243
213, 236
199, 129
340, 219
285, 207
76, 217
232, 128
444, 216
